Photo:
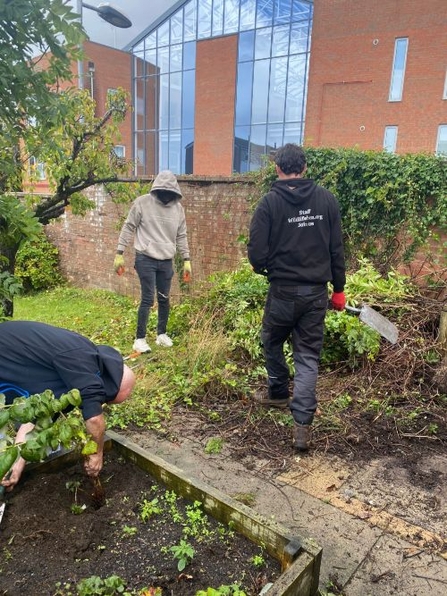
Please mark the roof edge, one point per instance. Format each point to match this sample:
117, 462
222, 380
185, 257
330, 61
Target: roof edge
154, 25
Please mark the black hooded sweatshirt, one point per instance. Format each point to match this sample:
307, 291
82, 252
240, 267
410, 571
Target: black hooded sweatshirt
296, 237
36, 356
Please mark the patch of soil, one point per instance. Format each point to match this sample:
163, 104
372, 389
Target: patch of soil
44, 543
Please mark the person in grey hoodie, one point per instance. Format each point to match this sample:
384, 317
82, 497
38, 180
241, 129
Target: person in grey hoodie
296, 241
157, 223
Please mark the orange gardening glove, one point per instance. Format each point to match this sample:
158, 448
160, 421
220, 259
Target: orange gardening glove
187, 271
118, 264
338, 300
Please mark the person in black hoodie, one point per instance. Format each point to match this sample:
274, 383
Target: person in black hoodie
296, 241
36, 356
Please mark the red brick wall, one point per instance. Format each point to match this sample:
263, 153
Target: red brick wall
214, 106
217, 213
350, 72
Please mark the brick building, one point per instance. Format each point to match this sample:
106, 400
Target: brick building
104, 69
218, 84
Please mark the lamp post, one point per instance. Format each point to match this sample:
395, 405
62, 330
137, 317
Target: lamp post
109, 14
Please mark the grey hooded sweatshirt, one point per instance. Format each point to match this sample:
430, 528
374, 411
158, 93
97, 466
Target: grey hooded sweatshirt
158, 229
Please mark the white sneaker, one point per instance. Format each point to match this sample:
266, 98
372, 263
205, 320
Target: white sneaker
163, 340
141, 345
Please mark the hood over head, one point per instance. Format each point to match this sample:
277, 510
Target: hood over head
111, 369
294, 190
167, 182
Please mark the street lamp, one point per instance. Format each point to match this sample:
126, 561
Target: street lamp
109, 14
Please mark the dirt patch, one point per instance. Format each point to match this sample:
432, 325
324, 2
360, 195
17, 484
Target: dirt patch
44, 543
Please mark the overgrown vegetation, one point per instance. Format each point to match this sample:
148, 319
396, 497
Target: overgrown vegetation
218, 360
37, 264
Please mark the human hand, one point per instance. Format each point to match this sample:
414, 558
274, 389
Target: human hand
187, 271
118, 264
93, 464
13, 476
338, 300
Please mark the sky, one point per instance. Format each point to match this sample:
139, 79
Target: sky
141, 12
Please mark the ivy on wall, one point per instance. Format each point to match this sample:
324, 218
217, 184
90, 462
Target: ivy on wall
391, 205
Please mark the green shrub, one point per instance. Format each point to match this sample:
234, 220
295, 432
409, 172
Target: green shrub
37, 265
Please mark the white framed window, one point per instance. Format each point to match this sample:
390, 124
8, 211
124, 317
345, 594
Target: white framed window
390, 139
441, 143
36, 169
398, 72
120, 151
444, 95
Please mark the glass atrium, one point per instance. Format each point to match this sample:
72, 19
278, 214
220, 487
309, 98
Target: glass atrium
271, 82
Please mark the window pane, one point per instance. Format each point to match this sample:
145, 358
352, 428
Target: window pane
301, 10
151, 153
390, 139
218, 9
280, 41
444, 95
164, 101
295, 87
189, 79
264, 15
240, 149
174, 152
151, 41
163, 59
246, 46
263, 43
175, 101
187, 152
260, 91
152, 102
257, 147
150, 57
189, 55
231, 16
164, 150
278, 79
282, 11
293, 133
274, 136
204, 19
243, 93
139, 65
177, 27
299, 38
163, 34
140, 153
190, 21
398, 74
441, 144
139, 112
176, 57
248, 13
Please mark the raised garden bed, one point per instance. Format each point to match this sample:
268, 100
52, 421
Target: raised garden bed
50, 542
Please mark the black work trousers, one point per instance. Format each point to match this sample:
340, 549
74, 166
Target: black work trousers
155, 276
298, 311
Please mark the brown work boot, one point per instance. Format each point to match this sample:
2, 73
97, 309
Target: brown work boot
301, 436
262, 397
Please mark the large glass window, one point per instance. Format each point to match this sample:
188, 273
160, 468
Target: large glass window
398, 72
441, 143
271, 81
